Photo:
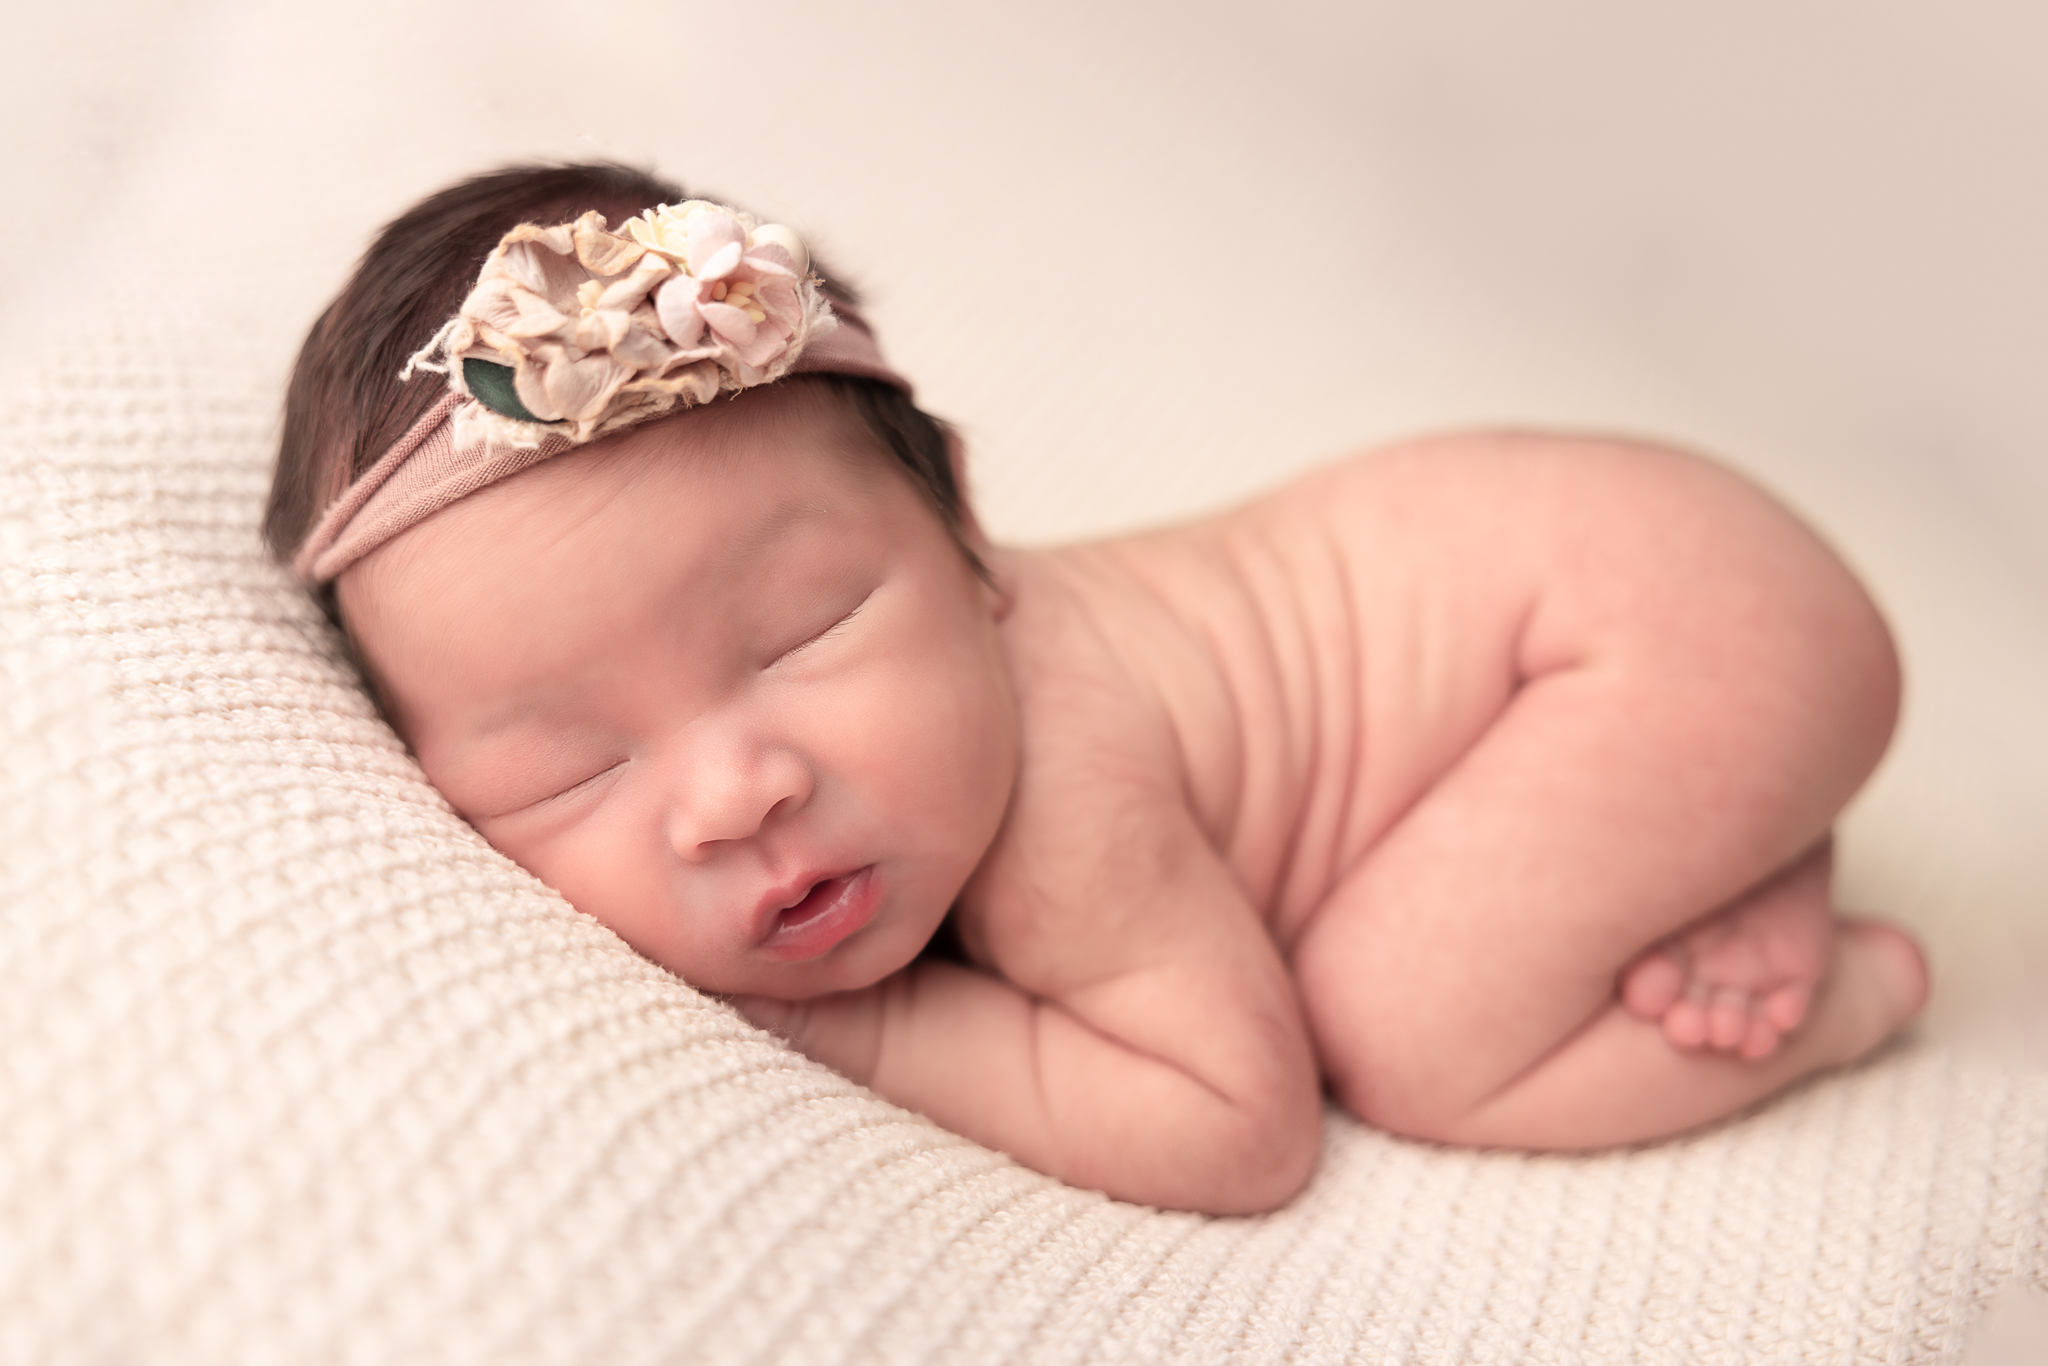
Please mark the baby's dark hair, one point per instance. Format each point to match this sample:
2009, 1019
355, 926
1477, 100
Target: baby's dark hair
346, 405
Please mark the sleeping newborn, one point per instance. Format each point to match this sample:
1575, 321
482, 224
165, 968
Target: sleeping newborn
1485, 780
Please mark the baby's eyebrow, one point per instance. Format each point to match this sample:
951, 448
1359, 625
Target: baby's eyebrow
479, 743
757, 538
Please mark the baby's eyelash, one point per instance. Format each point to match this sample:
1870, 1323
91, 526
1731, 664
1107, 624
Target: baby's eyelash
827, 633
577, 786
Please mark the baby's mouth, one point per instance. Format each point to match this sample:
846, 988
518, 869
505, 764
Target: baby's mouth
829, 911
814, 903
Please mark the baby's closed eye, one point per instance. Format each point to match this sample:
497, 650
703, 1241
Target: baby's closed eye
533, 775
836, 621
581, 785
544, 785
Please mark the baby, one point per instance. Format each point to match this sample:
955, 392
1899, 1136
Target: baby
1486, 780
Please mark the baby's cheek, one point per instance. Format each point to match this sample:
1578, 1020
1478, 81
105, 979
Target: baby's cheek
604, 872
953, 764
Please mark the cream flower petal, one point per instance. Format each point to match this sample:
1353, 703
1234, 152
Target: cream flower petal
537, 317
522, 262
529, 381
600, 329
599, 251
559, 238
697, 382
491, 303
627, 292
644, 347
580, 389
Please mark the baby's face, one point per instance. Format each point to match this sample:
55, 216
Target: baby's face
725, 682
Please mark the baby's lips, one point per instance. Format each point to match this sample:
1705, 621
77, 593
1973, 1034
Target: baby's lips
768, 909
828, 911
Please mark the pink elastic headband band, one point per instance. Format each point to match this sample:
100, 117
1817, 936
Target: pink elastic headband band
423, 471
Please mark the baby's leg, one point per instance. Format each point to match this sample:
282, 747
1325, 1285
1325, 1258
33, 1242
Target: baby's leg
1618, 1080
1695, 689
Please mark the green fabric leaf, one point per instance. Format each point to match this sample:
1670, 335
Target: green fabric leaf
491, 385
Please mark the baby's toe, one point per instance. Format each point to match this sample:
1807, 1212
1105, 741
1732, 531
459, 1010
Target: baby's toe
1685, 1024
1786, 1007
1728, 1019
1652, 985
1761, 1039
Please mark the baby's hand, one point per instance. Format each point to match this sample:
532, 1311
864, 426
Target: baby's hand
768, 1012
842, 1031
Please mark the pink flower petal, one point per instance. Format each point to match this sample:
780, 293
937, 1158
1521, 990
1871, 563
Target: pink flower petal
767, 349
778, 300
716, 243
771, 259
675, 303
770, 340
731, 324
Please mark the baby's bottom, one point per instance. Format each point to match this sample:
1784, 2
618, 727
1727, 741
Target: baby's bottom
1607, 919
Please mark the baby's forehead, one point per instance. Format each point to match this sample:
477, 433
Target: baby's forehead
734, 499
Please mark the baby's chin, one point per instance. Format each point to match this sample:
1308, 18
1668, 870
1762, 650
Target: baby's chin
799, 987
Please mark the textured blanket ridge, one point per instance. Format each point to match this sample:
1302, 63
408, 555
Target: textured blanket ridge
294, 1068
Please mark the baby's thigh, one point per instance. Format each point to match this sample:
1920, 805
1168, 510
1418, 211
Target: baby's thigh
1615, 686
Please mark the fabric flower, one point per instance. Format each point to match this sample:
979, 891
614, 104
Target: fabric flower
601, 329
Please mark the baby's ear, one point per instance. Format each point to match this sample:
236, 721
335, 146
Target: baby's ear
970, 525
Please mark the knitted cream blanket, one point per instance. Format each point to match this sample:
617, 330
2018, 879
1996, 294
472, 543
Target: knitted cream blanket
294, 1068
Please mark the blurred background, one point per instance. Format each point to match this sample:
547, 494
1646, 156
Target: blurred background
1153, 256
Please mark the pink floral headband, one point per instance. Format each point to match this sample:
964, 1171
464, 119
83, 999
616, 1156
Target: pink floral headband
574, 332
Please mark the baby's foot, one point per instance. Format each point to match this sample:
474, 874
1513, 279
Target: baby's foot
1741, 979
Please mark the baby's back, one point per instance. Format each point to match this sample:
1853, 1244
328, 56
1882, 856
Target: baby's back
1313, 660
1313, 654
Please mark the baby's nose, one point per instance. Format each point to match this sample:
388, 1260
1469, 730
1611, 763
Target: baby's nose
729, 796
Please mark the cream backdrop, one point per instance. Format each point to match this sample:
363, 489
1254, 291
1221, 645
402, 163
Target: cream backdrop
1152, 256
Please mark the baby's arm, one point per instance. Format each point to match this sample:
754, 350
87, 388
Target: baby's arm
1136, 1031
1161, 1057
